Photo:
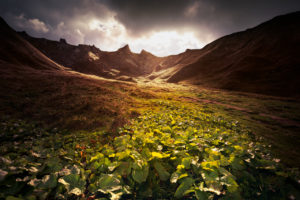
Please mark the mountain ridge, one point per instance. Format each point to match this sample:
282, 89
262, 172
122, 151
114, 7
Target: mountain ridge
262, 59
78, 58
34, 87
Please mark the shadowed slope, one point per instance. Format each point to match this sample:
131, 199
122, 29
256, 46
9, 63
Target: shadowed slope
18, 51
264, 59
91, 60
34, 87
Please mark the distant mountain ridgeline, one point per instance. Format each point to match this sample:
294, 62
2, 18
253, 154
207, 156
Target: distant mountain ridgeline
264, 59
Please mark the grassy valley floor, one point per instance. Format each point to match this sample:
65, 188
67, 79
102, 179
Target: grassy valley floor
161, 141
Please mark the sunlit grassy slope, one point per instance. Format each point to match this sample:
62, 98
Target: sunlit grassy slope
179, 143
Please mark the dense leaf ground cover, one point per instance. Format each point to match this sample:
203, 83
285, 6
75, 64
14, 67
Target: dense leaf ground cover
178, 151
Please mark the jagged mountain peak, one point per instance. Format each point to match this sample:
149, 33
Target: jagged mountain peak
125, 48
262, 59
146, 53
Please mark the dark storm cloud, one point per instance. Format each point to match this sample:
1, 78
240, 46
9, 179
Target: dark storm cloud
222, 16
145, 15
142, 23
61, 18
51, 11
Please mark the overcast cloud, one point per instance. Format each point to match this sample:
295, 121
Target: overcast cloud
162, 27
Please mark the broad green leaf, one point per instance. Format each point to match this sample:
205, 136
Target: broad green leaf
237, 164
116, 196
174, 177
162, 172
186, 162
157, 155
214, 187
135, 155
53, 165
140, 174
108, 183
97, 157
180, 167
211, 179
121, 142
201, 195
75, 169
183, 187
76, 191
92, 188
210, 165
48, 182
224, 161
224, 172
232, 185
113, 166
124, 169
123, 154
73, 183
182, 176
210, 176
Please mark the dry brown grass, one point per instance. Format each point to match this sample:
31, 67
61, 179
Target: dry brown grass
65, 99
36, 89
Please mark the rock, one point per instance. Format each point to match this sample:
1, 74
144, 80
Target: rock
62, 40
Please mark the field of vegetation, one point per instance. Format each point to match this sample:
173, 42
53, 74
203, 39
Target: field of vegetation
175, 148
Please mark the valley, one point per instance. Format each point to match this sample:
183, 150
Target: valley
81, 123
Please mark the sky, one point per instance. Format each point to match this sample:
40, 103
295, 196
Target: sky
162, 27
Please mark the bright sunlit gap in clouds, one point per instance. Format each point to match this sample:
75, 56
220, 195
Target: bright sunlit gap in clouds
161, 43
109, 34
160, 27
164, 43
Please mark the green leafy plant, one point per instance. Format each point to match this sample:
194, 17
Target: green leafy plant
177, 152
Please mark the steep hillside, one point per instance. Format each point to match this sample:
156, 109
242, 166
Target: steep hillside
63, 133
35, 88
264, 59
17, 51
91, 60
172, 64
